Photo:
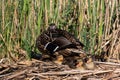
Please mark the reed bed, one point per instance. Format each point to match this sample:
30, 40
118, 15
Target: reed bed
94, 22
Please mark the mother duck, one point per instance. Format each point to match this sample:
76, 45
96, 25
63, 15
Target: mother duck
54, 39
56, 43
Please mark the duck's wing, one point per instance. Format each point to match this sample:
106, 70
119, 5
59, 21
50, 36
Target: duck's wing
42, 40
70, 37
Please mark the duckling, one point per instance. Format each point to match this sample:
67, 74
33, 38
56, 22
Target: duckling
80, 65
59, 59
89, 64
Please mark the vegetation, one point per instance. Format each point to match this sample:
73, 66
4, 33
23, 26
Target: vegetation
94, 22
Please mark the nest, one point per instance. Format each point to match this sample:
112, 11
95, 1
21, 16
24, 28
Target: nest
41, 70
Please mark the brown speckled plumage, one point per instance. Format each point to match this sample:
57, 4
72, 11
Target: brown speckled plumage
64, 40
51, 34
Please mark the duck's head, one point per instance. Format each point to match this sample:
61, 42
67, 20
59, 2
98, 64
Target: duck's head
52, 27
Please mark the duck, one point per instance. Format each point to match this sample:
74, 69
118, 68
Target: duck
80, 65
59, 60
54, 39
88, 63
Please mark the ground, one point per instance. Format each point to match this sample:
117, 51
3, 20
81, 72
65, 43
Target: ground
41, 70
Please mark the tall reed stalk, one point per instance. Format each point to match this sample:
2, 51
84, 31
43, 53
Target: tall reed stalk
21, 21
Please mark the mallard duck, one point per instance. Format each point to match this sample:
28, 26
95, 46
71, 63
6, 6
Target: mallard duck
54, 39
88, 63
59, 59
80, 64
